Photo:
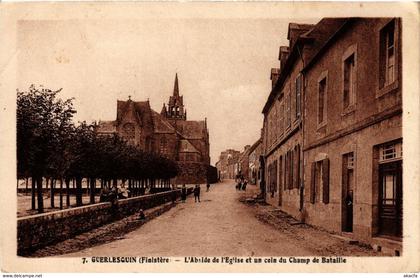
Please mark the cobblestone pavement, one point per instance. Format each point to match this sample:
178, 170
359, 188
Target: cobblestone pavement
221, 225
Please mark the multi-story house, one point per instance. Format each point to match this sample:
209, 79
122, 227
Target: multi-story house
243, 162
283, 129
332, 132
226, 165
353, 130
254, 163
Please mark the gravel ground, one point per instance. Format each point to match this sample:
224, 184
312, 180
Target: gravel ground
221, 225
319, 241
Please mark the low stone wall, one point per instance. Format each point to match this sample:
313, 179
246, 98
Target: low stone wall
37, 231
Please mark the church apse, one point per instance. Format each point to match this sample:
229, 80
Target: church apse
167, 133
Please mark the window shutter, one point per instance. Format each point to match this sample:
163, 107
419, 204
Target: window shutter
326, 181
298, 167
312, 193
291, 165
286, 171
298, 95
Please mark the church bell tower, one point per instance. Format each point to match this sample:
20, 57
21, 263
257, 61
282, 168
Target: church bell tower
175, 109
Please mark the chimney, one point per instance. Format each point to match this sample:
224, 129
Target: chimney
274, 76
295, 30
283, 54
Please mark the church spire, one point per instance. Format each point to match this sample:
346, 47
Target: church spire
163, 112
176, 88
175, 109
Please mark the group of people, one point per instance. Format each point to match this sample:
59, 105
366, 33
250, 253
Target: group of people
112, 194
241, 183
121, 192
196, 191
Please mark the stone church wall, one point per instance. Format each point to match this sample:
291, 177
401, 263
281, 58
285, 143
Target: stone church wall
195, 172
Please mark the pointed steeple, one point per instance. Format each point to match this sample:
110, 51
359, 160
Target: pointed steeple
175, 109
176, 88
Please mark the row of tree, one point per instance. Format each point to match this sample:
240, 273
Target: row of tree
50, 145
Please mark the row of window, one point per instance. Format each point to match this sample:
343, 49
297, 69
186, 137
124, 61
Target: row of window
281, 116
289, 171
387, 73
320, 172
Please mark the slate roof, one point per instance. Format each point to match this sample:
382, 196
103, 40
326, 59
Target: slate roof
161, 125
187, 130
317, 37
141, 109
192, 129
322, 33
187, 147
107, 126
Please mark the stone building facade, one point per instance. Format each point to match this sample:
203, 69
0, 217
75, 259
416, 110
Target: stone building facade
254, 162
254, 174
168, 133
283, 128
338, 164
228, 164
243, 163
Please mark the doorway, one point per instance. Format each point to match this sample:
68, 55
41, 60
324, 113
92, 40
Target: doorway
280, 180
390, 198
347, 193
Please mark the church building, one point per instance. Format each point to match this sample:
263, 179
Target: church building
167, 133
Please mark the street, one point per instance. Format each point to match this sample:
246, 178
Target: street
220, 225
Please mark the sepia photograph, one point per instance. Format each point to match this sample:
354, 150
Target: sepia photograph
189, 137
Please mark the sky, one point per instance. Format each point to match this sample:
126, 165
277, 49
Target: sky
223, 66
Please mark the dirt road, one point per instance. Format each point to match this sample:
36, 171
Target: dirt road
219, 225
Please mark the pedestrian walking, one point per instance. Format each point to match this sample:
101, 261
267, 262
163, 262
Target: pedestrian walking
208, 187
197, 193
238, 185
244, 185
183, 193
173, 194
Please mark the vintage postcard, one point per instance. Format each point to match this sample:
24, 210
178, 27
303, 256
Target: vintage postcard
209, 137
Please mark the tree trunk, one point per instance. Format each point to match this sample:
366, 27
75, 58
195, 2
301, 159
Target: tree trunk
61, 193
92, 190
26, 184
52, 192
39, 195
33, 184
47, 180
67, 180
79, 192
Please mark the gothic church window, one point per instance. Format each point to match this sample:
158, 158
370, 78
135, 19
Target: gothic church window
129, 131
163, 146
